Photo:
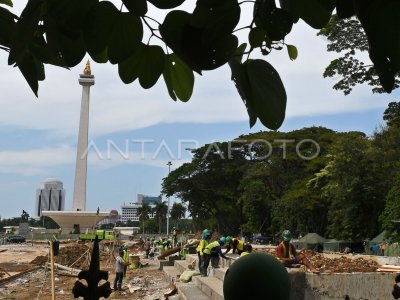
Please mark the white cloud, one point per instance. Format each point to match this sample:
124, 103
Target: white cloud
40, 161
36, 161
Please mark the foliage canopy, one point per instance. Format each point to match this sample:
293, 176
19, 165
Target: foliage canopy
61, 32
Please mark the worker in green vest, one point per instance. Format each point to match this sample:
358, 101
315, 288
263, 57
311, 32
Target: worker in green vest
205, 237
125, 257
247, 249
236, 245
212, 252
174, 236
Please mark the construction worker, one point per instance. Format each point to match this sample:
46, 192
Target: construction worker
236, 245
287, 254
212, 252
119, 271
125, 257
174, 236
205, 237
247, 249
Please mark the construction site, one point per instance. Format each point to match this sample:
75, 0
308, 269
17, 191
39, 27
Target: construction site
25, 271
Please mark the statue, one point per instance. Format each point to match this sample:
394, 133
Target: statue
87, 70
24, 216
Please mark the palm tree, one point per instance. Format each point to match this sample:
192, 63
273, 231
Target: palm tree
160, 211
178, 211
143, 213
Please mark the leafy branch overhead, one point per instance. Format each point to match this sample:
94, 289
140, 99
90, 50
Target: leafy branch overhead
203, 38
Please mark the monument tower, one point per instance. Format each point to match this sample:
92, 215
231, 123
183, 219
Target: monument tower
68, 220
86, 80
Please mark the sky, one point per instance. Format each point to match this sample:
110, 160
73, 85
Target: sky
134, 132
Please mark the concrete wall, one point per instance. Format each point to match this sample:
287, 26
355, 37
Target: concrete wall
357, 286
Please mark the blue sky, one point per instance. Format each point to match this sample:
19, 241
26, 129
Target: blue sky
39, 135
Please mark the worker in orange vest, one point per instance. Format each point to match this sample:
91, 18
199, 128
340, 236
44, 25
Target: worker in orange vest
287, 254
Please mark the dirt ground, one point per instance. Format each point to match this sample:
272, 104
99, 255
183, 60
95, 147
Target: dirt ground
146, 283
141, 283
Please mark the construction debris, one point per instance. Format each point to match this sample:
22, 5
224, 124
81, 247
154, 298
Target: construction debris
341, 264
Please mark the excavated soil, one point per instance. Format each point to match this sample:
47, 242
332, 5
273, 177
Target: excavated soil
342, 264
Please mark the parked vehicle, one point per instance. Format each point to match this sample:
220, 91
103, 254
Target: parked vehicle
15, 239
262, 238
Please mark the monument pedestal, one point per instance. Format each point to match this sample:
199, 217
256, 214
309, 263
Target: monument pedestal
85, 219
23, 229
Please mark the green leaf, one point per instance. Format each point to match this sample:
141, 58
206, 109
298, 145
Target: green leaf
277, 22
257, 36
315, 13
72, 50
152, 66
98, 27
242, 83
166, 4
129, 69
217, 18
7, 24
126, 37
172, 30
146, 63
24, 31
178, 78
29, 70
101, 57
292, 51
268, 95
6, 2
239, 53
136, 7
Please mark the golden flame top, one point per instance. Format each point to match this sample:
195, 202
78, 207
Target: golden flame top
87, 70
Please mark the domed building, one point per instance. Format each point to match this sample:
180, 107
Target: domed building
50, 196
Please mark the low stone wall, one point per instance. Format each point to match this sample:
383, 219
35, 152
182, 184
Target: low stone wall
357, 286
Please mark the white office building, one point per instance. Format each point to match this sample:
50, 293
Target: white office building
130, 210
50, 196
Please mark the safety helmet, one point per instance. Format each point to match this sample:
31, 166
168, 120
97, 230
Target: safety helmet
228, 239
222, 239
125, 246
286, 235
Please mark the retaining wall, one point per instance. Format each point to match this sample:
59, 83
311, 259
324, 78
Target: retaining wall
336, 286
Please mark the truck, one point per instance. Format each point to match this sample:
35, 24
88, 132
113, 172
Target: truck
101, 235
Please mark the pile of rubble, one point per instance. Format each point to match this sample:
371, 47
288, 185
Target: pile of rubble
342, 264
67, 256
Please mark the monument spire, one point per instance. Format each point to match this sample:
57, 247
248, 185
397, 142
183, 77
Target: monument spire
86, 80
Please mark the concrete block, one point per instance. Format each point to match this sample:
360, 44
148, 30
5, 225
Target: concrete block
171, 273
191, 257
357, 286
211, 286
220, 273
181, 265
189, 291
164, 263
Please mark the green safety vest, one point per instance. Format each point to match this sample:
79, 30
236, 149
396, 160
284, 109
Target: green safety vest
126, 256
201, 246
209, 248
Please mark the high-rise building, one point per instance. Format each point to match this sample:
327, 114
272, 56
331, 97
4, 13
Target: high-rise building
50, 196
149, 200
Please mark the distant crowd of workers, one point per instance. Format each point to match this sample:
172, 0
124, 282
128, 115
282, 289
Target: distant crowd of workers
210, 252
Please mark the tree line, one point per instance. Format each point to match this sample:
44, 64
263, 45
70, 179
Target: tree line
270, 181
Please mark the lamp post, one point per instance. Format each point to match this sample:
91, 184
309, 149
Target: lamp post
169, 164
